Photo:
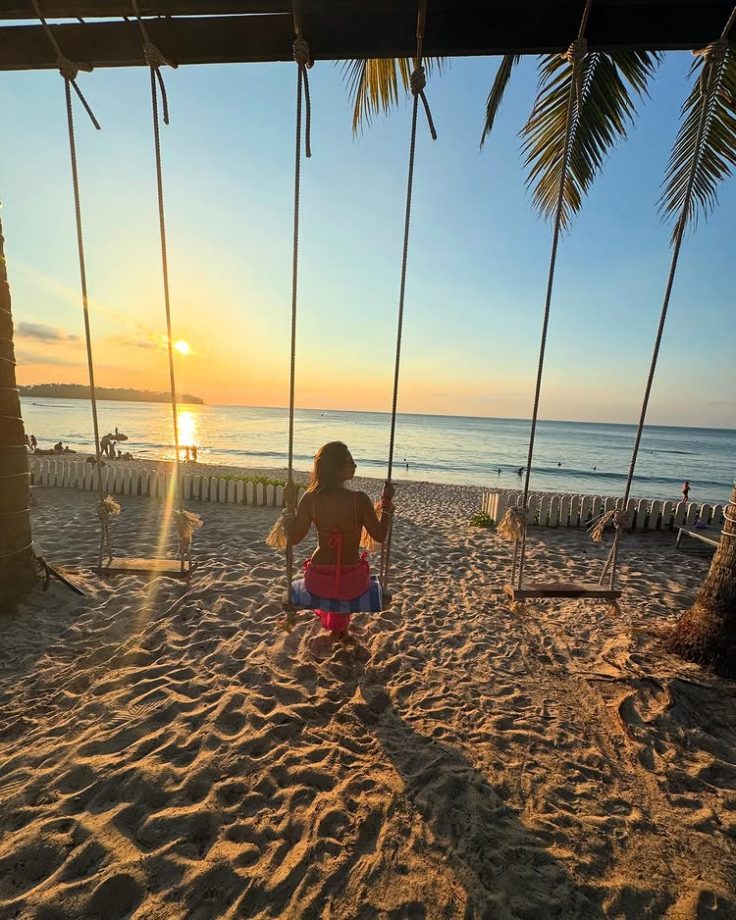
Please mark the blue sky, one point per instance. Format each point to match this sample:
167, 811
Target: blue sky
477, 262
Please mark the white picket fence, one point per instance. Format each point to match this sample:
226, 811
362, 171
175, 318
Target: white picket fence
130, 479
561, 509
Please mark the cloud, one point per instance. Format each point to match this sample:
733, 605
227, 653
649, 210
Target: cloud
29, 357
124, 341
43, 333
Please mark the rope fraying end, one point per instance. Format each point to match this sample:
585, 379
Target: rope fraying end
513, 524
618, 518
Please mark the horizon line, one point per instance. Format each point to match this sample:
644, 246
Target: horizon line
491, 418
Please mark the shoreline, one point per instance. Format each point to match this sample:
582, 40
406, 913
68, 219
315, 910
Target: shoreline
301, 477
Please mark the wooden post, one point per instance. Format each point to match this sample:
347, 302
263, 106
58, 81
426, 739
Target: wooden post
17, 565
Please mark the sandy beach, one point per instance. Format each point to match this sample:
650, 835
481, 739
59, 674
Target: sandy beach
167, 752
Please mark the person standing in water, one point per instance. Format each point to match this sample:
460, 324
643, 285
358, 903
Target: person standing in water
686, 491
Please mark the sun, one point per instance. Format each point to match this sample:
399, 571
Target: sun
184, 348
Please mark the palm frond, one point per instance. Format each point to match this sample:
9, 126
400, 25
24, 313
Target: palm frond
375, 84
704, 152
495, 97
604, 110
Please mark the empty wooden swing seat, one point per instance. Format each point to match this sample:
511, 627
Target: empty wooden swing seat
120, 565
553, 589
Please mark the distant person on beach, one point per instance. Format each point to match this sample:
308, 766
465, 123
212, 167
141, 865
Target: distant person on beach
686, 490
499, 471
187, 454
595, 468
558, 463
34, 442
339, 515
520, 472
194, 453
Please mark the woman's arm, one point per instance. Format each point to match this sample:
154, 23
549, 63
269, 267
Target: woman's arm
376, 527
303, 520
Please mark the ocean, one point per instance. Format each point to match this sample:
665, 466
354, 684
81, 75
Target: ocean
582, 457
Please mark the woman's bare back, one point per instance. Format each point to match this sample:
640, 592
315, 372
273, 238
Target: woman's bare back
337, 516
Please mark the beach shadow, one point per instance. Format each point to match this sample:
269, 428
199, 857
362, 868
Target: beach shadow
503, 867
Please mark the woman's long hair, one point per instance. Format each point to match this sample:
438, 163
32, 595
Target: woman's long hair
329, 463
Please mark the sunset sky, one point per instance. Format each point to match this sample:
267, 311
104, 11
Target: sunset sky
477, 262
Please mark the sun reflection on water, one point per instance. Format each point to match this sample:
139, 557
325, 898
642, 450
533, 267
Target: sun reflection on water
187, 422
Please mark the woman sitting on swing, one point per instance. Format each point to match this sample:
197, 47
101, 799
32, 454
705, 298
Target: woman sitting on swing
336, 570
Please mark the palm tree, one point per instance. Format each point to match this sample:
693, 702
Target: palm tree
16, 556
374, 84
706, 633
605, 110
703, 155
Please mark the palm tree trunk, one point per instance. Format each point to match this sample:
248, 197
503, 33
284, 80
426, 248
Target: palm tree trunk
17, 565
706, 633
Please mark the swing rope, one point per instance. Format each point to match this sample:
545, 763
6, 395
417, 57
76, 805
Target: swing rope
303, 60
69, 71
575, 54
418, 82
712, 55
186, 521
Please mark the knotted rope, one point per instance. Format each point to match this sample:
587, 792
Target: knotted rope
280, 535
186, 521
186, 524
69, 71
109, 507
418, 82
617, 517
303, 59
576, 55
513, 523
713, 55
154, 58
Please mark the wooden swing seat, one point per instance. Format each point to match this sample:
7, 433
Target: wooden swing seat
554, 589
142, 566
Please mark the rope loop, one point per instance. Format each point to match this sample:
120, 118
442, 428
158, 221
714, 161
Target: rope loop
152, 55
418, 80
68, 69
303, 59
302, 54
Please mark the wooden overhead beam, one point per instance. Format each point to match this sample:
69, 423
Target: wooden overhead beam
96, 9
339, 29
